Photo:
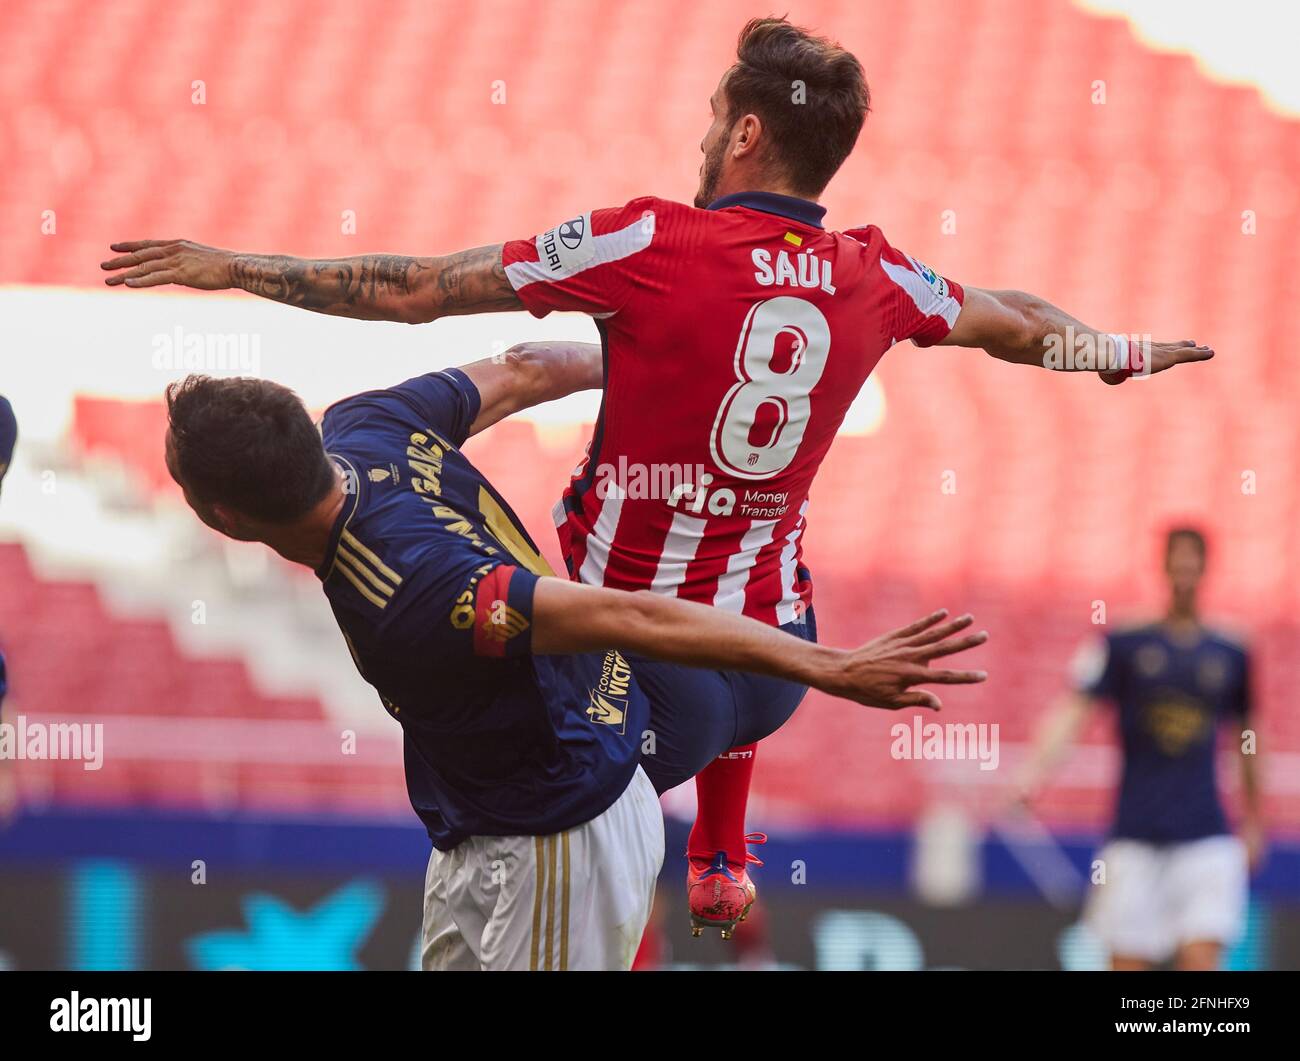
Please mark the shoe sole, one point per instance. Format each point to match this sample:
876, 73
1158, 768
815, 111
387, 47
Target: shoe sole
726, 926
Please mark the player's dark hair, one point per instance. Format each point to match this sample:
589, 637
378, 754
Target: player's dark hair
1190, 534
810, 93
248, 444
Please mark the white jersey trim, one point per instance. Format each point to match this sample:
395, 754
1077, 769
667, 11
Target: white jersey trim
599, 250
599, 541
730, 595
787, 608
931, 299
683, 539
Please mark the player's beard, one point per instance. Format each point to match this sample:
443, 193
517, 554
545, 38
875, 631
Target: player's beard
710, 173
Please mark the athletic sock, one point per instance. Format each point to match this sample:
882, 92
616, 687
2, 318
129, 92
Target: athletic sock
722, 791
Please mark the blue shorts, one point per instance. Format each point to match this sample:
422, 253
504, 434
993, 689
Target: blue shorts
696, 715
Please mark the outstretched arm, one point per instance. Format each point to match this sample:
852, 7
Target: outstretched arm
568, 617
532, 373
1059, 730
1252, 817
1026, 330
386, 287
1251, 827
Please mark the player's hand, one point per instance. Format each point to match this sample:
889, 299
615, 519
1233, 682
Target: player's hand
1163, 356
153, 262
882, 672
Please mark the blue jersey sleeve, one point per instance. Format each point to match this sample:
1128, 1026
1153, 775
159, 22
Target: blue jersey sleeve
502, 602
1097, 669
447, 400
8, 435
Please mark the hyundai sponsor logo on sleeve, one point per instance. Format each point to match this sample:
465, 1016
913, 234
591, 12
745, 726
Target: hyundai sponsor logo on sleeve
568, 245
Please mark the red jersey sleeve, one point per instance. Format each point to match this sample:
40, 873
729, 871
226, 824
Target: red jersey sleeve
923, 305
588, 264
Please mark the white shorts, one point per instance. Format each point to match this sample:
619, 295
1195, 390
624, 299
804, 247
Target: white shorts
575, 900
1157, 897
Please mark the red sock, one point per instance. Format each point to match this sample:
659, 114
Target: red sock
722, 791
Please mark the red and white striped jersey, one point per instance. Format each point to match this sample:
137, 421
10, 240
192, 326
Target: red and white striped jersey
735, 340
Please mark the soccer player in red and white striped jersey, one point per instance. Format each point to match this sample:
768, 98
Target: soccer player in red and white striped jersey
736, 338
735, 334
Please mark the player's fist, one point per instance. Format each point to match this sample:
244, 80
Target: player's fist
153, 262
882, 672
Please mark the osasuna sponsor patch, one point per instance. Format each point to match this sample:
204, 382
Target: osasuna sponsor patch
567, 246
937, 283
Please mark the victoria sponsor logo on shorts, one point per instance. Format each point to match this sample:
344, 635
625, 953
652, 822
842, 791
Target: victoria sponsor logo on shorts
608, 705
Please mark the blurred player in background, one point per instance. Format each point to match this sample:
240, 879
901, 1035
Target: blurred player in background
1175, 877
8, 437
737, 333
523, 725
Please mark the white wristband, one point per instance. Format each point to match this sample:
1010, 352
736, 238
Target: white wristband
1119, 358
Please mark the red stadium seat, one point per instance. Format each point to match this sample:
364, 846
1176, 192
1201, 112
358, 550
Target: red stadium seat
1128, 212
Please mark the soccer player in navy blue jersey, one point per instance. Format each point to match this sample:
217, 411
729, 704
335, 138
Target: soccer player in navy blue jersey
1175, 875
8, 437
530, 739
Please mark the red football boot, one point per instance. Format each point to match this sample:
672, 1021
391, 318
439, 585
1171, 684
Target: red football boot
720, 892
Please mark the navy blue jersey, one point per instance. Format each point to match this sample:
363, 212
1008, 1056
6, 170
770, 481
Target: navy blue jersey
1171, 693
431, 579
8, 435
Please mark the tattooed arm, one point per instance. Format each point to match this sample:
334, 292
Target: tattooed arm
386, 287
